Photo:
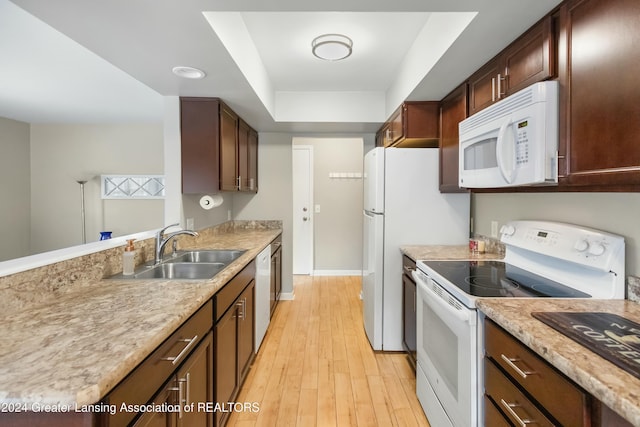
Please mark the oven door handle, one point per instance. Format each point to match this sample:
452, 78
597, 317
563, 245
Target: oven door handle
437, 303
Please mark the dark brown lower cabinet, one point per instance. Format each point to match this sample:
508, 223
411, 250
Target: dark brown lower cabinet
234, 332
192, 384
409, 310
521, 388
276, 272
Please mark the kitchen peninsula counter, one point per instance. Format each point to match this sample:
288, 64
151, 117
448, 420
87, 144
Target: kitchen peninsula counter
70, 350
611, 385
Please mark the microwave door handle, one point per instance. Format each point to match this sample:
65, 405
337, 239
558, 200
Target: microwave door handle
506, 151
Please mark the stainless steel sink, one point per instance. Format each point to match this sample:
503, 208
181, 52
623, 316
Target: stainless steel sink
181, 270
187, 265
226, 256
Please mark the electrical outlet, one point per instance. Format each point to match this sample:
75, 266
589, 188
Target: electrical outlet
494, 228
190, 225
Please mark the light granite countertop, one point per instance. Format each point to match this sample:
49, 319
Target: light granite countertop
444, 252
613, 386
74, 348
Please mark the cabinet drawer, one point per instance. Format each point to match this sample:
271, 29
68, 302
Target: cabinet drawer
559, 396
492, 416
515, 405
228, 294
143, 383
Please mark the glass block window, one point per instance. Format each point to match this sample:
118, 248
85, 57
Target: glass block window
132, 186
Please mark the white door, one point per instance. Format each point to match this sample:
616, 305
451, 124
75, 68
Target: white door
302, 202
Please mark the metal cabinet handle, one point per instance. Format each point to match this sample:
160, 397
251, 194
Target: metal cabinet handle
509, 407
493, 89
501, 79
242, 306
185, 350
184, 387
239, 182
511, 362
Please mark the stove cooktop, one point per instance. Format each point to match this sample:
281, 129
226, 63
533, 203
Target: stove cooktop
499, 279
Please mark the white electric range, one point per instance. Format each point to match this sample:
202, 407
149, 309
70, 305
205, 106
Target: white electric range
542, 259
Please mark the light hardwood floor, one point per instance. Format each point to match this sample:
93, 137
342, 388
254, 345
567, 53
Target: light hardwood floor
316, 367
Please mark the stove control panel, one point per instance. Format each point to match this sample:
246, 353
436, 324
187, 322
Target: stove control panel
586, 246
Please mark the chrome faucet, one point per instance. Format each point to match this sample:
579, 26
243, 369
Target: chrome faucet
161, 240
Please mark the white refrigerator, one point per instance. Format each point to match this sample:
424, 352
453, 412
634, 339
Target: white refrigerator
402, 206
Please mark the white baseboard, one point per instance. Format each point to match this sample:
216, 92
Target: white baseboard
287, 296
337, 272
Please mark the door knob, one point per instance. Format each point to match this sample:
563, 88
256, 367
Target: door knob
304, 209
304, 218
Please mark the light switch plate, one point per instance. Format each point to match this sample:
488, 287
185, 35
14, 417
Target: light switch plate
317, 209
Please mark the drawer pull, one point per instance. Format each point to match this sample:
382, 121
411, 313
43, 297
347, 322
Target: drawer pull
509, 407
511, 362
185, 350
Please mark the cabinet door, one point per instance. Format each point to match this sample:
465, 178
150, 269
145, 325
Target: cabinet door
200, 146
420, 120
453, 109
252, 172
228, 149
531, 58
409, 315
396, 128
278, 269
272, 291
243, 155
483, 86
246, 330
600, 56
226, 360
247, 157
168, 396
195, 384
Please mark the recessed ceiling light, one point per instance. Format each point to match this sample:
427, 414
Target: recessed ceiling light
188, 72
332, 47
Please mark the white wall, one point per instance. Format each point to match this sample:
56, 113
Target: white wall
62, 154
617, 213
14, 189
338, 227
274, 198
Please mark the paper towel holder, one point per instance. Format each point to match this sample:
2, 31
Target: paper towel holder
209, 202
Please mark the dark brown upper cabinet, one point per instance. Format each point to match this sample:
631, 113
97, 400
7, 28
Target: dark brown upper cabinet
413, 124
219, 150
599, 63
453, 109
529, 59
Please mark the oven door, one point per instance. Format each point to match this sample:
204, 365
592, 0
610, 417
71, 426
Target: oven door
447, 355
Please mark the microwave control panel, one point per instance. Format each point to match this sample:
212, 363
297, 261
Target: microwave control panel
522, 142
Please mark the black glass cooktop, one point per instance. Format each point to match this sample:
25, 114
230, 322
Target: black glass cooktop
498, 279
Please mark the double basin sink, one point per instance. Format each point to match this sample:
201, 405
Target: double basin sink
188, 265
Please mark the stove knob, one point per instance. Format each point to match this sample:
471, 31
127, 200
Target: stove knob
596, 249
508, 230
581, 245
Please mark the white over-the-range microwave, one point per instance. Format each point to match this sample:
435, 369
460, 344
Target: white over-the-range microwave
513, 142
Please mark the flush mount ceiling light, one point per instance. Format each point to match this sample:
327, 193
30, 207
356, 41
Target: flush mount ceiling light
188, 72
332, 47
